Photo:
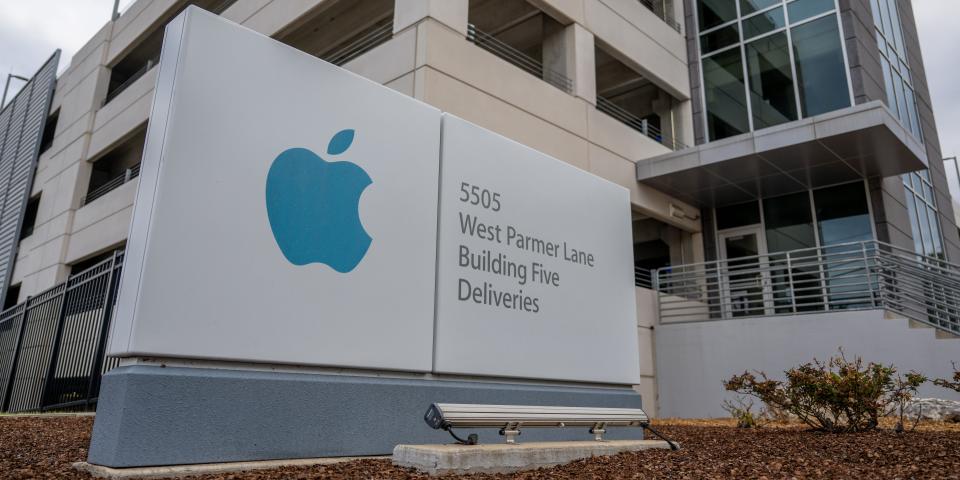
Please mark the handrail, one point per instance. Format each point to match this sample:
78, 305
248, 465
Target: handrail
363, 43
637, 123
112, 184
658, 9
517, 58
643, 277
848, 276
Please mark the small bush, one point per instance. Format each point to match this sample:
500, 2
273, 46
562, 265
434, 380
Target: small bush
741, 410
833, 396
954, 385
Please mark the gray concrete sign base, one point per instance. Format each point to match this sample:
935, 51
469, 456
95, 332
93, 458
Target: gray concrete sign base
503, 458
150, 415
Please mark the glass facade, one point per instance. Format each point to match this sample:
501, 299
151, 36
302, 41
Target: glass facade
893, 60
832, 219
767, 62
924, 217
901, 100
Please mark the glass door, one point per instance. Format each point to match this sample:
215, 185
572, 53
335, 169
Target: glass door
743, 271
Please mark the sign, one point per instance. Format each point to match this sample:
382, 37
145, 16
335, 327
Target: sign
535, 265
288, 213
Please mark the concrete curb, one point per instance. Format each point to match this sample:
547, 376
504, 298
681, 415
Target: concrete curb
504, 458
180, 471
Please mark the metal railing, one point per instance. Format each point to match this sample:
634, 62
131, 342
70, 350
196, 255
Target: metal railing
658, 7
643, 277
113, 184
638, 124
361, 43
518, 59
53, 346
850, 276
130, 81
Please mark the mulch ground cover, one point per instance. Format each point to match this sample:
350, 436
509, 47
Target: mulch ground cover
44, 447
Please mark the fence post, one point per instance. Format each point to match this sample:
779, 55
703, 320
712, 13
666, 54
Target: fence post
793, 292
866, 270
8, 390
109, 299
55, 351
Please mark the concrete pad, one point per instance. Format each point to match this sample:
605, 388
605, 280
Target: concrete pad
503, 458
180, 471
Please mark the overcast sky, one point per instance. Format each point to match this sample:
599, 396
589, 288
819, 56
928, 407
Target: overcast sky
30, 30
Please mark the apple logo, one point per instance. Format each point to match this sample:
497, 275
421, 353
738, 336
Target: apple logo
313, 206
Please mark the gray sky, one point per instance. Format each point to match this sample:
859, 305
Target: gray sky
30, 30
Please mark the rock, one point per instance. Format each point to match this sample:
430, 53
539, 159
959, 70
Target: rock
936, 409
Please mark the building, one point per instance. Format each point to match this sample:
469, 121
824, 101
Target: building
782, 156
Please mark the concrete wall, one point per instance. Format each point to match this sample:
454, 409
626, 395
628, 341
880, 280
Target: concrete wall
694, 358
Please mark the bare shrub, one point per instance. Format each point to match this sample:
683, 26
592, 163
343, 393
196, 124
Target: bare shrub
954, 385
833, 396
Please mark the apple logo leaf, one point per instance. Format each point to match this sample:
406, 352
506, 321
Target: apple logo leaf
340, 142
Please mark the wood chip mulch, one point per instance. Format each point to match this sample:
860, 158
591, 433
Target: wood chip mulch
44, 447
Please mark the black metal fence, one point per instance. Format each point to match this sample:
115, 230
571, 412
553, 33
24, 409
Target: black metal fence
52, 346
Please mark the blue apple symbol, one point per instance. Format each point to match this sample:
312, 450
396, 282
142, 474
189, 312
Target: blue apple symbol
313, 206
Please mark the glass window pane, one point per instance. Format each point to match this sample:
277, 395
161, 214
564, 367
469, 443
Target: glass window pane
821, 74
715, 12
726, 94
804, 9
763, 23
890, 99
895, 22
875, 6
937, 249
749, 6
739, 215
924, 227
912, 112
901, 99
885, 19
914, 224
771, 83
789, 222
842, 214
719, 38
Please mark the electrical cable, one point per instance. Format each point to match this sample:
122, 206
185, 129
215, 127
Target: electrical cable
673, 446
471, 439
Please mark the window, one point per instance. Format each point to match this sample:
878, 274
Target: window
821, 72
900, 97
924, 215
842, 214
789, 222
725, 95
30, 217
13, 293
739, 215
771, 82
716, 12
767, 62
46, 140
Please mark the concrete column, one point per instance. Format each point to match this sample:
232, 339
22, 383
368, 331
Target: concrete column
452, 13
569, 51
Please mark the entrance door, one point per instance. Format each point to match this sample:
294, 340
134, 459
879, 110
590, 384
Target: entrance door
743, 271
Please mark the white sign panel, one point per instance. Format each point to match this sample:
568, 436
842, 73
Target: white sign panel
535, 265
286, 211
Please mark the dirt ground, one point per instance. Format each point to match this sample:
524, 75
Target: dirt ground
44, 447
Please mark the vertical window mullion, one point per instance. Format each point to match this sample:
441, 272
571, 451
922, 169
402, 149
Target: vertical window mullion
743, 64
